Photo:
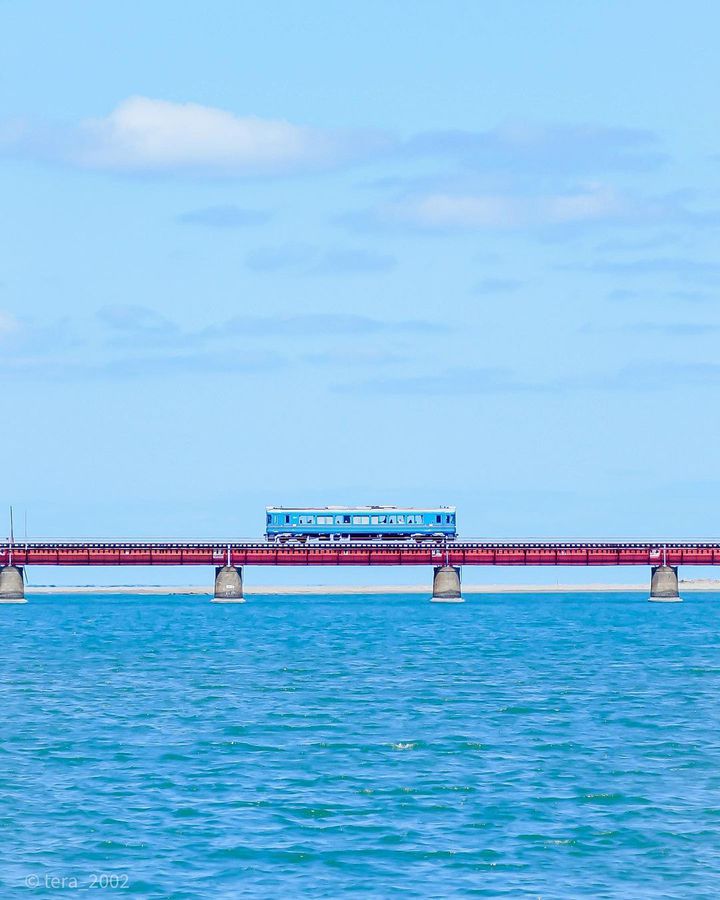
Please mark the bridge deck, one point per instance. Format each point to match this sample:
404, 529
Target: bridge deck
457, 553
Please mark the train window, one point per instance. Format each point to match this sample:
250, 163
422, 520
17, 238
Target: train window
361, 520
391, 520
374, 520
346, 520
401, 520
438, 518
287, 520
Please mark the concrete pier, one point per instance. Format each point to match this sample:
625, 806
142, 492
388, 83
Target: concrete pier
664, 584
12, 585
228, 585
446, 585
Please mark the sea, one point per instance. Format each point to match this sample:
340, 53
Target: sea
525, 746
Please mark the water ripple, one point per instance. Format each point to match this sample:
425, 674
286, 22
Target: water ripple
555, 746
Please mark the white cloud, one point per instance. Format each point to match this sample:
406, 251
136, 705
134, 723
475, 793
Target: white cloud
445, 210
152, 136
544, 149
146, 135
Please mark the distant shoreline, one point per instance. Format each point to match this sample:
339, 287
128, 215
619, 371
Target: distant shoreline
349, 590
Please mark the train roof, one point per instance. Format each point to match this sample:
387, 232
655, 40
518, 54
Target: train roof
359, 508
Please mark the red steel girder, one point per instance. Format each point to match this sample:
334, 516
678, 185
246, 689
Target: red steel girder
473, 553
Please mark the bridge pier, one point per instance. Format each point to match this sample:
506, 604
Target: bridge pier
664, 584
12, 585
228, 585
446, 585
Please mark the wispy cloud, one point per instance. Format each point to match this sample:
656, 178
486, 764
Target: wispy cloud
625, 295
445, 211
669, 329
136, 319
645, 377
348, 262
489, 380
8, 324
138, 325
282, 257
327, 324
146, 135
662, 375
489, 286
640, 244
131, 366
541, 149
135, 341
679, 267
226, 216
308, 260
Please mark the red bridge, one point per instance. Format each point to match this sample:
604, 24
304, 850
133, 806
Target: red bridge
446, 559
455, 553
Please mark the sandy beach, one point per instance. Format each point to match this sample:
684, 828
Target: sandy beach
265, 590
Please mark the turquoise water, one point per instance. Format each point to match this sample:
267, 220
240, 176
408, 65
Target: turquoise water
538, 746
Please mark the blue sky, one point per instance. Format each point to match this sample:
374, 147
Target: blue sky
459, 252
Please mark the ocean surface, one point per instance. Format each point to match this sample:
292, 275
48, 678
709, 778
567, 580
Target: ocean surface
554, 746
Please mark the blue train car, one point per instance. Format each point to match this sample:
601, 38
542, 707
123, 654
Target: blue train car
325, 523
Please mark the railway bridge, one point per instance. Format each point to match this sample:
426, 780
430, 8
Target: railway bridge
446, 559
